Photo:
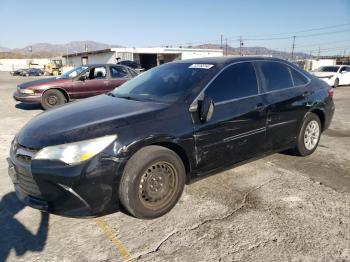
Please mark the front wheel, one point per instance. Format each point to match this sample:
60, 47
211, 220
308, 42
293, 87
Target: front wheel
309, 135
152, 182
52, 98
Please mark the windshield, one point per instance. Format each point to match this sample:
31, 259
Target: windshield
328, 69
166, 83
74, 72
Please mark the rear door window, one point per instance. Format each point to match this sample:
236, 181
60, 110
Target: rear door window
236, 81
275, 75
118, 72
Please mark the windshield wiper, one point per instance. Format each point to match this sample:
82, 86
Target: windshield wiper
124, 97
110, 94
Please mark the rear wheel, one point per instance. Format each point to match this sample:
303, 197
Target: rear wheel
152, 182
309, 135
336, 83
52, 98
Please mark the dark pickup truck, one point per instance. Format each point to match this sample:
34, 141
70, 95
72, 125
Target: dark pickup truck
80, 82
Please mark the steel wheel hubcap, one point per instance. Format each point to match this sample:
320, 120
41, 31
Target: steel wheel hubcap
311, 135
158, 184
52, 100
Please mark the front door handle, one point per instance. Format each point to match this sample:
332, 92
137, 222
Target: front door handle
306, 94
260, 107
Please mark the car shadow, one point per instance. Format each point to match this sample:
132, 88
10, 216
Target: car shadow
26, 106
13, 234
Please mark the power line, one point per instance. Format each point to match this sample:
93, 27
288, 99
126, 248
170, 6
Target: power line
302, 31
332, 48
299, 36
325, 43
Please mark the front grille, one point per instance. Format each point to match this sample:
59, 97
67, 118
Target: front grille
26, 182
24, 153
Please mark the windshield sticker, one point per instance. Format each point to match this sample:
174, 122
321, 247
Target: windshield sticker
201, 66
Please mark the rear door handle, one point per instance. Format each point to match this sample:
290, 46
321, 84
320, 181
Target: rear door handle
260, 107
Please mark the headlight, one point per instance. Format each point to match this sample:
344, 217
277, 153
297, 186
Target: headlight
73, 153
26, 91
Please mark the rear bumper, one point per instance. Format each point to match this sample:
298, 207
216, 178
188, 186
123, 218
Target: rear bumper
83, 190
329, 116
27, 98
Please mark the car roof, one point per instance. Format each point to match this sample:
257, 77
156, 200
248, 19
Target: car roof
225, 60
93, 65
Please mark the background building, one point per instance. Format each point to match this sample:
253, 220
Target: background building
146, 57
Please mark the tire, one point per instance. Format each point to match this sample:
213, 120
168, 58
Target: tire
336, 83
146, 177
309, 135
52, 98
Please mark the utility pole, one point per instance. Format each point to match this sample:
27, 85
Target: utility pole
293, 46
240, 46
221, 42
226, 46
67, 56
319, 53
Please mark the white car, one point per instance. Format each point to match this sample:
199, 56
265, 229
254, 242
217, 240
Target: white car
334, 75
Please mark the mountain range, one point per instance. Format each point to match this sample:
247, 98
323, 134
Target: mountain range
255, 50
45, 50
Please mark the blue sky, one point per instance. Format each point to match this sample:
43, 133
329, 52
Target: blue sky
156, 23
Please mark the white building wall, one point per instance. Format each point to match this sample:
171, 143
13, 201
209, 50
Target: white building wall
125, 56
99, 58
315, 64
13, 64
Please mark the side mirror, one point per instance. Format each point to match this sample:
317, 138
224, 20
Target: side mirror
82, 78
206, 109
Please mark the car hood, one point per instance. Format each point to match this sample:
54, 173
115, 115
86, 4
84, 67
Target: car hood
41, 82
90, 118
322, 74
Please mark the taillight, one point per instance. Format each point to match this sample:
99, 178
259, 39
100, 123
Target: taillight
330, 92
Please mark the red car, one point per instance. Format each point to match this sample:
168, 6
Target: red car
80, 82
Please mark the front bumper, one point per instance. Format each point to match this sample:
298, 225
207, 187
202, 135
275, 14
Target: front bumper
83, 190
27, 98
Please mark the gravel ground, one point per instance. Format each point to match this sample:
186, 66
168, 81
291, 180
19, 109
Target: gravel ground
279, 208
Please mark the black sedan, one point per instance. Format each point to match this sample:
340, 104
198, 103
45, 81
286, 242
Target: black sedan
31, 72
136, 147
17, 72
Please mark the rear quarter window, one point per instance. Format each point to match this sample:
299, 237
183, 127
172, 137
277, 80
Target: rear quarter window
298, 78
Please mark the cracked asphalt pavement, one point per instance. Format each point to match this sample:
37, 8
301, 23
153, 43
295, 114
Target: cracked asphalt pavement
279, 208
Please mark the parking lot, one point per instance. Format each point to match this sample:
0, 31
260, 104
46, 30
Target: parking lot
279, 208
